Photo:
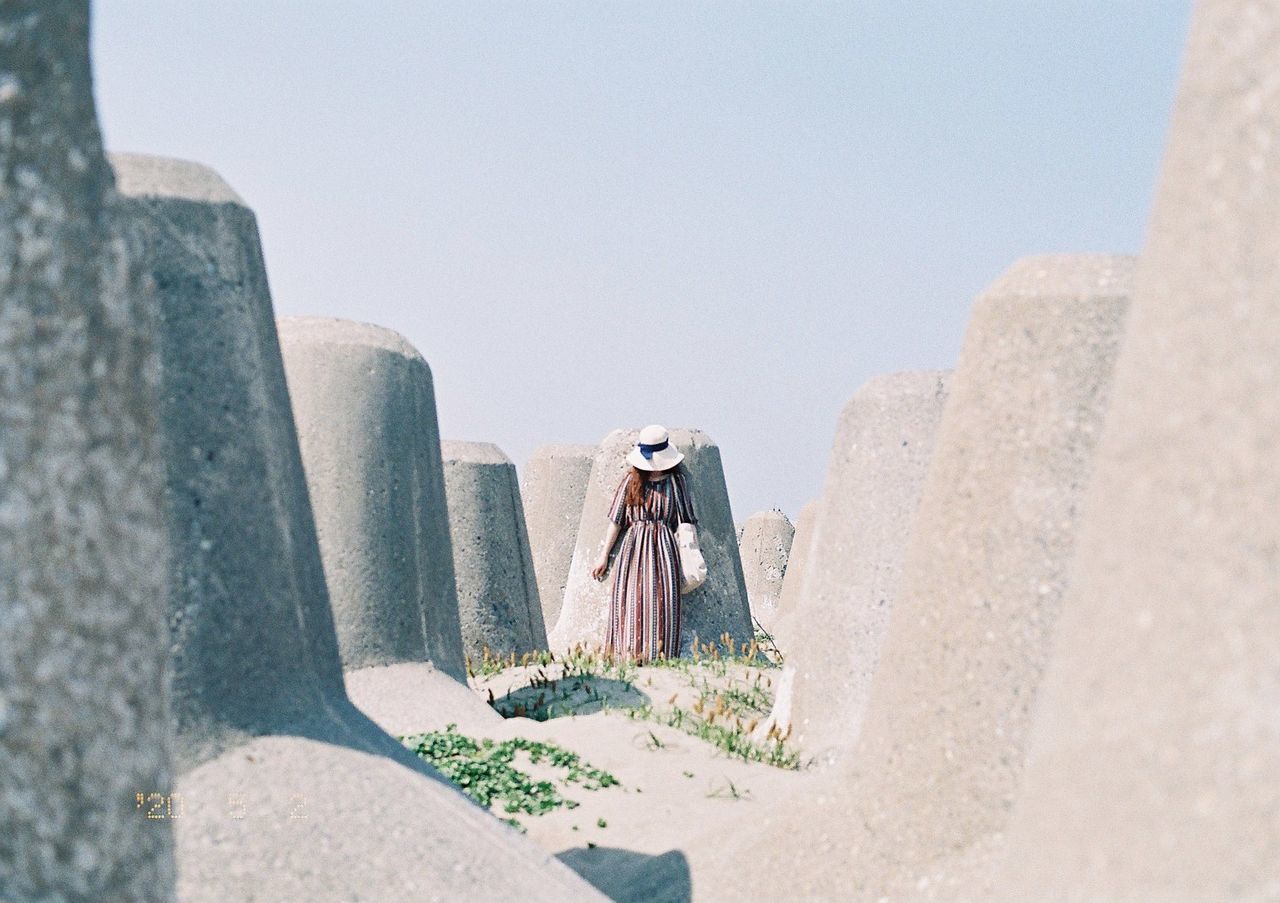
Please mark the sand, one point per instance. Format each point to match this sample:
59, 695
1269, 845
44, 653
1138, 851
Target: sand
626, 839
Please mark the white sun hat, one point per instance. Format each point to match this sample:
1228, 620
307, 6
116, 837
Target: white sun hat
654, 450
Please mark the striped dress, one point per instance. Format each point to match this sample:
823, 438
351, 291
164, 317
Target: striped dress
644, 610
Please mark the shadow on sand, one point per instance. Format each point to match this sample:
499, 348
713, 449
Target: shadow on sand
629, 877
579, 695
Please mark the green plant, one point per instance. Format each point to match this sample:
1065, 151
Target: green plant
767, 645
733, 739
580, 662
491, 663
742, 700
597, 662
546, 697
717, 656
728, 706
729, 792
483, 769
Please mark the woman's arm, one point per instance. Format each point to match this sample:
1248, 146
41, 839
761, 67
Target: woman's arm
610, 537
617, 517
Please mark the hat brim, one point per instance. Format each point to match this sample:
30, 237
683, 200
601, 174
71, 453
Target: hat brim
661, 460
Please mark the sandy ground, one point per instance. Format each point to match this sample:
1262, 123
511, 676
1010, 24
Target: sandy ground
628, 839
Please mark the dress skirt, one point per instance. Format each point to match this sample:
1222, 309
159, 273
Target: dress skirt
644, 607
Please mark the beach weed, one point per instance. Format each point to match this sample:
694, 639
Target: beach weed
484, 770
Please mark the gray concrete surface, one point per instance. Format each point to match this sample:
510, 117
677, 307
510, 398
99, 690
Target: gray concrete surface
365, 413
289, 791
879, 460
318, 821
497, 587
1154, 771
251, 634
412, 697
764, 545
553, 485
718, 606
793, 581
941, 750
920, 807
83, 727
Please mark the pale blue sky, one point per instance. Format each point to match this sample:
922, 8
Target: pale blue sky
723, 215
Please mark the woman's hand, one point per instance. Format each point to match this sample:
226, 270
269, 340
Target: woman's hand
610, 537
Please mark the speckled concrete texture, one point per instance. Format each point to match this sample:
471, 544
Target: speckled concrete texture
83, 720
315, 821
497, 588
1154, 771
941, 750
879, 460
251, 635
412, 697
793, 581
718, 606
926, 793
260, 712
764, 545
365, 412
554, 485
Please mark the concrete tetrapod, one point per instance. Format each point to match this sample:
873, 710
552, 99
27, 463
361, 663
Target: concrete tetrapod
84, 748
251, 634
716, 607
554, 485
764, 545
920, 806
364, 409
787, 625
497, 588
1154, 767
789, 600
287, 790
879, 460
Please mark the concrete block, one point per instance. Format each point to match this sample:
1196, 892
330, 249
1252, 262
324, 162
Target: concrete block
319, 821
289, 792
985, 571
497, 587
764, 544
718, 606
364, 408
922, 803
554, 486
789, 600
1154, 768
414, 697
84, 748
252, 637
879, 460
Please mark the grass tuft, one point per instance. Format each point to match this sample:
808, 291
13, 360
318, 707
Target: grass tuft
724, 714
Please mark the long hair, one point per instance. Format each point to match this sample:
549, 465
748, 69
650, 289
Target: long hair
636, 481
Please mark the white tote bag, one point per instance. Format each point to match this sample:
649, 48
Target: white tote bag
693, 567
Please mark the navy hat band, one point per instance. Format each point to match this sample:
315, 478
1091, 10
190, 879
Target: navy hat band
648, 450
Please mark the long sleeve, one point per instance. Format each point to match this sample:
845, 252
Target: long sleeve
684, 500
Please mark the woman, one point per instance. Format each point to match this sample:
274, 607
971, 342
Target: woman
650, 502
